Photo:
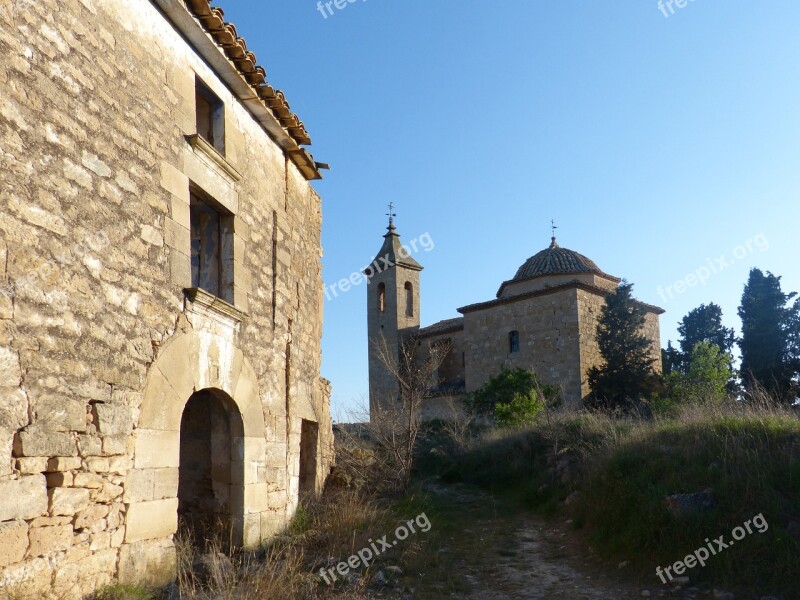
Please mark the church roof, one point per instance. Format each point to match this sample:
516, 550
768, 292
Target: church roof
555, 260
392, 253
446, 326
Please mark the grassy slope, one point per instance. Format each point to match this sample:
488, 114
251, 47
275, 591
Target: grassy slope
624, 470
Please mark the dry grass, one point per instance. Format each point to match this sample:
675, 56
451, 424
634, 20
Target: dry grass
324, 532
625, 467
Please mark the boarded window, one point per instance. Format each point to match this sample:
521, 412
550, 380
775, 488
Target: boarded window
212, 247
409, 299
210, 113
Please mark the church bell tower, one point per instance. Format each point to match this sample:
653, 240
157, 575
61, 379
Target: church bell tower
392, 312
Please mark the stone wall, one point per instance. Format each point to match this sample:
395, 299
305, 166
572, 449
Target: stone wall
549, 343
100, 348
590, 305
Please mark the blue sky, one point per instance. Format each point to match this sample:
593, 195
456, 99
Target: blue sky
660, 145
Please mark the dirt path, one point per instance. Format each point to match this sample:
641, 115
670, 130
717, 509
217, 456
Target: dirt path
501, 554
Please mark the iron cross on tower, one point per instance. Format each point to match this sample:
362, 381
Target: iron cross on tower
553, 226
391, 214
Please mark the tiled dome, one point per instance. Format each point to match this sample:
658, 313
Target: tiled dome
555, 260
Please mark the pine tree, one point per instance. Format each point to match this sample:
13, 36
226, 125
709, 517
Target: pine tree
704, 324
626, 374
671, 358
769, 336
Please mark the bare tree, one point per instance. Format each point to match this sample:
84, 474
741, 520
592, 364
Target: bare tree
395, 422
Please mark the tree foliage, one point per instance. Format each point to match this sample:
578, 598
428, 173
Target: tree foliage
769, 341
626, 374
514, 398
706, 379
704, 324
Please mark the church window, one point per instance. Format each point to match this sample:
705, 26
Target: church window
409, 299
382, 297
513, 342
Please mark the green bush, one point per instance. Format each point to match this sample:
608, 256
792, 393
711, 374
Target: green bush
514, 398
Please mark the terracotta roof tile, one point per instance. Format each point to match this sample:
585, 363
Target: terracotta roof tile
212, 18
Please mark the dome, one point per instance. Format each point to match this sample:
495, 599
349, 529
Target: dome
555, 260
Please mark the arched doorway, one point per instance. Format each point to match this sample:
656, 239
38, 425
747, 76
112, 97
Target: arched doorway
209, 507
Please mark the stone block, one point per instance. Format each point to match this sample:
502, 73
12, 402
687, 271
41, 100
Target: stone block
24, 498
180, 211
256, 498
63, 463
156, 448
56, 413
44, 540
113, 419
9, 368
151, 520
90, 445
115, 445
177, 236
273, 522
147, 563
180, 269
121, 464
139, 486
109, 491
165, 483
251, 530
175, 182
32, 465
13, 542
90, 517
36, 441
13, 408
97, 464
67, 501
91, 481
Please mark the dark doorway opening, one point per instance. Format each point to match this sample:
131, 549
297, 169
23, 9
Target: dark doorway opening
210, 507
309, 433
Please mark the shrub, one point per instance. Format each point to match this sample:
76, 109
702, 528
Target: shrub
513, 398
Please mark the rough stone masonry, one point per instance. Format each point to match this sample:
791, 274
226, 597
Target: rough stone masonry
160, 293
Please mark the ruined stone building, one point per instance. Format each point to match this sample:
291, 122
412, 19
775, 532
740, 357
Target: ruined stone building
160, 292
544, 320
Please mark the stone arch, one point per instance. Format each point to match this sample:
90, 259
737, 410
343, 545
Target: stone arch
190, 363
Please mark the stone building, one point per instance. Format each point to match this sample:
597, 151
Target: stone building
543, 320
160, 293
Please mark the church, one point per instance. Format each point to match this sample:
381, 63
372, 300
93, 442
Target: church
543, 319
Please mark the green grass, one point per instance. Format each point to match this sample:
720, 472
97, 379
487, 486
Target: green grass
624, 469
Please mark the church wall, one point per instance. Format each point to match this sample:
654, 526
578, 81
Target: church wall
549, 345
451, 370
540, 283
589, 308
99, 348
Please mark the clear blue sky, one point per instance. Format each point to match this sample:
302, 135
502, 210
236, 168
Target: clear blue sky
656, 143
